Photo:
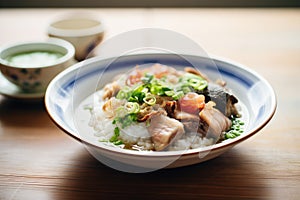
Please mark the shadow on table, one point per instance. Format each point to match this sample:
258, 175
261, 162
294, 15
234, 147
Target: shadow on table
14, 112
228, 176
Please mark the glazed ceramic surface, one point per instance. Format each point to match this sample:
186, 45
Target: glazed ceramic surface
33, 79
67, 92
84, 33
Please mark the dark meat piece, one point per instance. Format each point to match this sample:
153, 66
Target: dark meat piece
164, 131
230, 107
224, 101
171, 107
213, 122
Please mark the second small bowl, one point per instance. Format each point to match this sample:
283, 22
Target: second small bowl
85, 33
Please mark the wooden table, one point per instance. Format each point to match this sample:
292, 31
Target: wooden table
39, 161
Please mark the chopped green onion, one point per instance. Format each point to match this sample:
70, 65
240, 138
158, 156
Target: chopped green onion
229, 135
166, 88
132, 107
186, 89
128, 120
194, 82
241, 123
115, 138
145, 90
138, 94
149, 99
133, 99
118, 142
197, 84
116, 135
178, 95
235, 133
147, 78
202, 86
156, 89
124, 93
191, 81
192, 76
170, 93
235, 130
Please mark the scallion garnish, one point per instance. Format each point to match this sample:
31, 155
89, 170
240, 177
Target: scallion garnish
138, 94
116, 135
235, 130
202, 86
185, 89
126, 120
178, 95
132, 107
194, 81
149, 99
170, 93
147, 78
124, 93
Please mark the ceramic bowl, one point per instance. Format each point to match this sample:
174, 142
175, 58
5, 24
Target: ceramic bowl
66, 97
32, 65
85, 33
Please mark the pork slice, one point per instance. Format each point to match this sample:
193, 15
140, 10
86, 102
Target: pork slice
189, 121
164, 131
214, 122
142, 117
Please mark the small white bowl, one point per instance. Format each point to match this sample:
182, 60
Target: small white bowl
66, 95
85, 33
31, 71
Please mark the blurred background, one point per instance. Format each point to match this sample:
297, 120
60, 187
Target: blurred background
147, 3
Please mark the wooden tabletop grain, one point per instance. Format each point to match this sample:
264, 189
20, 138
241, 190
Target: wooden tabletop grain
39, 161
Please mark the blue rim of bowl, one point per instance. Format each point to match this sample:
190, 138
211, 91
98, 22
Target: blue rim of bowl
189, 152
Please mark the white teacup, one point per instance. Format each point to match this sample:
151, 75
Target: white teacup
84, 32
32, 65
